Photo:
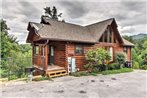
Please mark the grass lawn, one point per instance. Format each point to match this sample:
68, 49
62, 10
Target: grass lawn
123, 70
83, 73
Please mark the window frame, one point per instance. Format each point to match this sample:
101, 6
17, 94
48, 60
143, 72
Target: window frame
82, 49
125, 50
110, 36
106, 36
36, 49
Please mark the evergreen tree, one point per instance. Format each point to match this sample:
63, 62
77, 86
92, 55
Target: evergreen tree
9, 44
52, 14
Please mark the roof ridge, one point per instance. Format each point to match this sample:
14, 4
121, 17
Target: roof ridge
65, 22
100, 22
35, 22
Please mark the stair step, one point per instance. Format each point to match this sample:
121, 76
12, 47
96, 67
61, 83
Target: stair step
56, 73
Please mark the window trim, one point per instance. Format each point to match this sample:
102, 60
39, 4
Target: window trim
106, 36
125, 50
111, 54
36, 51
81, 48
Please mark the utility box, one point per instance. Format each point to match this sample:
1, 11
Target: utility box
71, 64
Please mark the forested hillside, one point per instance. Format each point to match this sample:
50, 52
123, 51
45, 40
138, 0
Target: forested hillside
139, 36
139, 52
14, 57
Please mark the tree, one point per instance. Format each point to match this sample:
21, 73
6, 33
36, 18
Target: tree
3, 26
8, 42
52, 14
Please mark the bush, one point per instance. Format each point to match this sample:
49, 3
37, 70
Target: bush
13, 77
144, 67
97, 59
102, 67
113, 66
120, 58
135, 65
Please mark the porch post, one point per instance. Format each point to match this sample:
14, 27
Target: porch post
32, 53
45, 54
66, 57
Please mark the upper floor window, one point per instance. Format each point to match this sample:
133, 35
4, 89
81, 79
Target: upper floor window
105, 36
110, 36
79, 49
110, 50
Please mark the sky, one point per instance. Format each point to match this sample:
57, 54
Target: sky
130, 15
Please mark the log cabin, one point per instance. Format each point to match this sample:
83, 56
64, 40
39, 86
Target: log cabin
60, 46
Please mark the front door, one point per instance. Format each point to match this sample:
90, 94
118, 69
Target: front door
51, 55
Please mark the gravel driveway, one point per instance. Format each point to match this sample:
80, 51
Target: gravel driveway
125, 85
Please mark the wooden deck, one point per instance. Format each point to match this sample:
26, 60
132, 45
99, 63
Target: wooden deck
54, 67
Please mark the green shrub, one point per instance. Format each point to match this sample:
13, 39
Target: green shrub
113, 66
102, 67
97, 59
13, 77
120, 58
144, 67
135, 65
89, 67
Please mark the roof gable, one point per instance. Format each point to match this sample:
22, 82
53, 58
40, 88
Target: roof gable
99, 28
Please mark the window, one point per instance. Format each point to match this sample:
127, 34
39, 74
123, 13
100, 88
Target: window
125, 49
79, 49
110, 50
36, 49
41, 50
101, 39
111, 53
105, 36
110, 37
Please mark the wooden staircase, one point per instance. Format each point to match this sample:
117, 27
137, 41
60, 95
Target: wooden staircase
56, 73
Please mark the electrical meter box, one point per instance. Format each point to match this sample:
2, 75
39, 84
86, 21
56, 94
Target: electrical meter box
71, 64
